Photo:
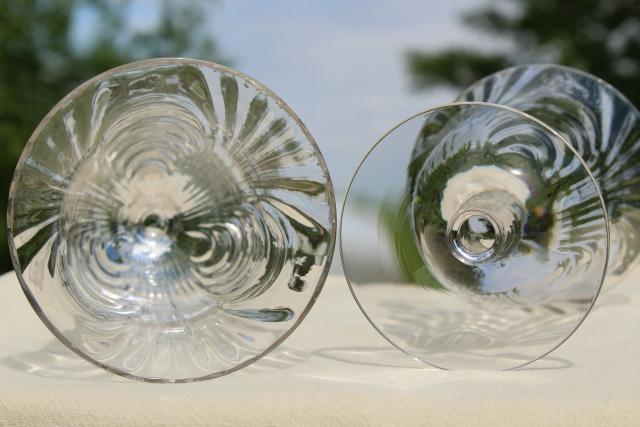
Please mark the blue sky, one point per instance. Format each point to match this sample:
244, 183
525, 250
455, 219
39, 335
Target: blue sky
339, 64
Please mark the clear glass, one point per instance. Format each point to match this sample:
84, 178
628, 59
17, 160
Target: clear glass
600, 123
171, 220
478, 235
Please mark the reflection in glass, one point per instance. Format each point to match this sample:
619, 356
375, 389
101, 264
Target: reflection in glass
171, 220
487, 221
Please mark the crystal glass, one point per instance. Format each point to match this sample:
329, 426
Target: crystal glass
171, 220
477, 234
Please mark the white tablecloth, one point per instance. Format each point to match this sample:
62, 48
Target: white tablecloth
334, 370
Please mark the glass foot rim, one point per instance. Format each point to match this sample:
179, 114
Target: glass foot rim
343, 258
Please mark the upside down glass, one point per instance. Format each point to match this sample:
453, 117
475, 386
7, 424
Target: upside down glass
171, 220
478, 234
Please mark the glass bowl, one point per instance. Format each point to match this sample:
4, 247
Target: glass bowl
171, 220
477, 235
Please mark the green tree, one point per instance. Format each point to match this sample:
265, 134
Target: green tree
601, 37
40, 61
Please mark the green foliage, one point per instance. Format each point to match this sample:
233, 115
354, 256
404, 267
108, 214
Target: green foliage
456, 67
602, 37
40, 63
395, 215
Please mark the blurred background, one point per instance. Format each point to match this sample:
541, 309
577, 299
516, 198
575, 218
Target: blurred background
351, 70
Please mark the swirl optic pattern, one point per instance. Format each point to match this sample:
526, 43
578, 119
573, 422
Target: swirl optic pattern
602, 125
172, 220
